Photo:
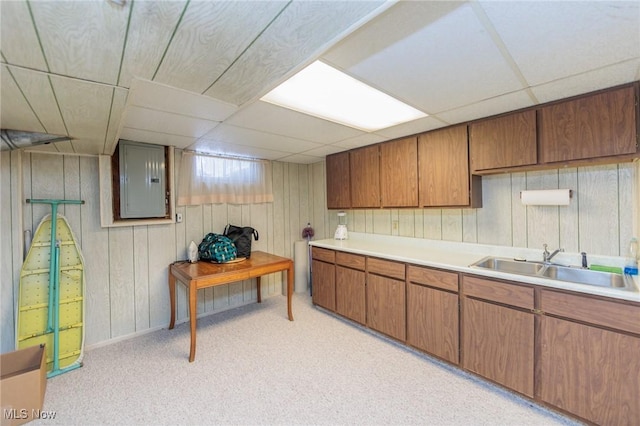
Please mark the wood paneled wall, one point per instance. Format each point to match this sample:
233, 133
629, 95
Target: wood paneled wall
126, 267
602, 216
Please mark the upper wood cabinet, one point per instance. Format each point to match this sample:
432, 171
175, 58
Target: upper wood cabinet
598, 125
399, 173
338, 182
501, 142
365, 176
443, 169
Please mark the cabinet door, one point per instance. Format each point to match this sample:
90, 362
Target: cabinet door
590, 372
338, 181
444, 167
350, 294
593, 126
506, 141
498, 343
365, 177
432, 321
324, 284
386, 306
399, 173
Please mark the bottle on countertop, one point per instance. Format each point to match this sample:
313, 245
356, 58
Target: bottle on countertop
631, 264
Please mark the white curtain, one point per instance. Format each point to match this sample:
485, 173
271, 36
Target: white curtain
208, 179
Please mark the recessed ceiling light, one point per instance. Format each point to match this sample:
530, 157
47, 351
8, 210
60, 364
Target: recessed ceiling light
325, 92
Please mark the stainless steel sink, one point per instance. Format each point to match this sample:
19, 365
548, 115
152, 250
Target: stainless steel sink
586, 276
557, 272
510, 265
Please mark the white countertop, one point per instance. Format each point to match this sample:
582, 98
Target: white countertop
458, 256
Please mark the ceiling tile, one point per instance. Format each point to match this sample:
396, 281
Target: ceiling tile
488, 107
411, 128
323, 151
165, 122
15, 112
301, 159
553, 40
82, 39
150, 30
138, 135
118, 103
439, 58
151, 95
210, 38
225, 148
37, 88
237, 135
587, 82
18, 38
293, 38
270, 118
85, 110
359, 141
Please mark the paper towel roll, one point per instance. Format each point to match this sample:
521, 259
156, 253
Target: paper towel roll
546, 197
301, 265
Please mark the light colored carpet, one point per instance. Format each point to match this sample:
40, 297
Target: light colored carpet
253, 366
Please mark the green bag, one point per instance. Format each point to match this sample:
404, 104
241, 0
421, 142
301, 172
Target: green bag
217, 248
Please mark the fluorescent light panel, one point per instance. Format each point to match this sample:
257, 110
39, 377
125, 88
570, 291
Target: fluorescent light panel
325, 92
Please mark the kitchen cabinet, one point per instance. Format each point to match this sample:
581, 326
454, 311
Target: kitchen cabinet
324, 278
443, 170
503, 142
432, 312
596, 125
350, 286
399, 173
365, 176
386, 297
498, 332
338, 181
589, 363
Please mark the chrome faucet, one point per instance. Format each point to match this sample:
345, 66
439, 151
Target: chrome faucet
546, 256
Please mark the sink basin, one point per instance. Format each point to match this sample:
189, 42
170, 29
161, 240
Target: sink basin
586, 276
557, 272
509, 265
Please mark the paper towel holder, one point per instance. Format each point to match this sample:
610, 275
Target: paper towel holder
546, 197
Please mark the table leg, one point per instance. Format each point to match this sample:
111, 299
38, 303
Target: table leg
172, 299
290, 290
193, 313
258, 286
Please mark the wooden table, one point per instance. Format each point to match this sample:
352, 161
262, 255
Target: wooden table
205, 274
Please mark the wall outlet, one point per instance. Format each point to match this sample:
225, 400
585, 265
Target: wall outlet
178, 217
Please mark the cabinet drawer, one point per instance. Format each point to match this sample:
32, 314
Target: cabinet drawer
323, 254
386, 268
600, 312
432, 277
349, 260
509, 294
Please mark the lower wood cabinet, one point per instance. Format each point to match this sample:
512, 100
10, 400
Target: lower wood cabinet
432, 312
574, 352
350, 294
386, 298
324, 284
585, 369
497, 339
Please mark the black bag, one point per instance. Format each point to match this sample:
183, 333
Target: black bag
217, 248
241, 237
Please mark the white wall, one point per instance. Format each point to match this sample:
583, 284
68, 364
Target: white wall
126, 267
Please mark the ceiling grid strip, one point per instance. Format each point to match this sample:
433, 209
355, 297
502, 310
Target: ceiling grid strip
124, 44
173, 34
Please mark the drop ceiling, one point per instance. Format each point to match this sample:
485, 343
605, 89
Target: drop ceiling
190, 73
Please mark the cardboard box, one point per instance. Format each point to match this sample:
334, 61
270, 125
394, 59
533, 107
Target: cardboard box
23, 381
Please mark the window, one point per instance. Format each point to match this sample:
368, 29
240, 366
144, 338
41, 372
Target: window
206, 179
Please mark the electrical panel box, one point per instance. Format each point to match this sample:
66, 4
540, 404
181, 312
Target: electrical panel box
143, 186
